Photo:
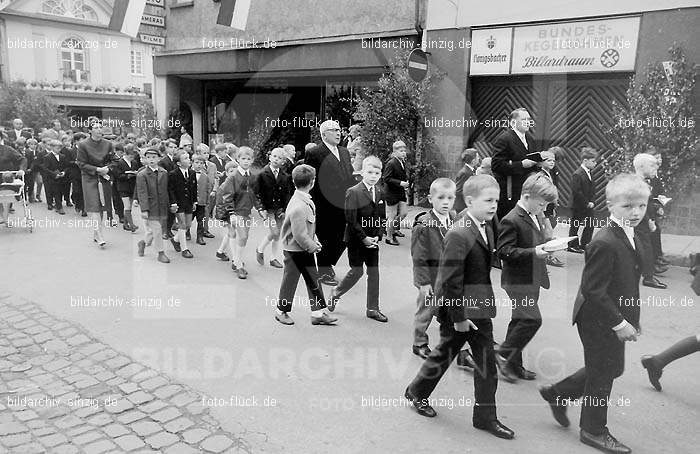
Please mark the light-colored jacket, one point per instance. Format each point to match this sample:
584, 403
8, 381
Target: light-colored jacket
299, 226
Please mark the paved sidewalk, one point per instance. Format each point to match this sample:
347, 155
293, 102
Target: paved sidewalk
677, 248
63, 391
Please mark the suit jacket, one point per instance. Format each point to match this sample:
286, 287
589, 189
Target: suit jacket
610, 278
204, 187
167, 163
582, 192
363, 216
71, 155
152, 192
426, 247
52, 166
274, 193
126, 182
463, 285
12, 135
182, 191
508, 154
220, 166
333, 178
462, 176
517, 238
393, 174
553, 176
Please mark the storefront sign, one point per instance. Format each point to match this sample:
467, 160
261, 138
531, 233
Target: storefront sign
491, 51
149, 19
570, 47
160, 3
152, 39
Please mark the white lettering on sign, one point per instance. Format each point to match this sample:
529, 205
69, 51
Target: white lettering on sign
149, 19
156, 3
152, 39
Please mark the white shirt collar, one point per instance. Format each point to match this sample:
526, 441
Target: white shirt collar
470, 167
476, 221
629, 231
241, 171
532, 216
369, 188
520, 134
588, 172
333, 148
442, 218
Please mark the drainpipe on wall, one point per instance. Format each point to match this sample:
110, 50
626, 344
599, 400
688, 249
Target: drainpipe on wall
4, 68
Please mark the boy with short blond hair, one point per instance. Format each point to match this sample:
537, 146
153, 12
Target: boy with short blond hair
521, 236
429, 230
606, 312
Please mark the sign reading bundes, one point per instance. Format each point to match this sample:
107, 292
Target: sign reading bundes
569, 47
490, 51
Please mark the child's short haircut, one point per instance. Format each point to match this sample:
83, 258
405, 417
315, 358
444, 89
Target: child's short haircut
219, 147
229, 165
245, 151
140, 142
117, 146
642, 159
154, 142
151, 150
32, 141
202, 148
626, 185
538, 186
556, 151
547, 154
477, 184
198, 158
468, 155
179, 154
309, 146
278, 150
303, 175
64, 137
372, 161
55, 142
442, 184
130, 149
588, 153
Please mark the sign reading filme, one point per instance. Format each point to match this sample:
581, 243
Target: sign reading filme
490, 52
568, 47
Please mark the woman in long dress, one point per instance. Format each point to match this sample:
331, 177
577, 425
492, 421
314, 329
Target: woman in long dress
95, 154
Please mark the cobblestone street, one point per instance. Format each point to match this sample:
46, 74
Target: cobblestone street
63, 391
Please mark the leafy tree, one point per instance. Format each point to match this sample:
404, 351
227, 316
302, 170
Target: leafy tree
144, 115
659, 114
36, 109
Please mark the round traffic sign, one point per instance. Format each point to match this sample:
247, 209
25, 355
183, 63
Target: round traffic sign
417, 65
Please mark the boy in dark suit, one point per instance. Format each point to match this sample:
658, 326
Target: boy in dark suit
152, 194
205, 186
470, 158
582, 201
549, 171
182, 191
606, 313
466, 305
365, 214
220, 158
168, 149
274, 190
124, 172
54, 165
429, 230
521, 235
395, 183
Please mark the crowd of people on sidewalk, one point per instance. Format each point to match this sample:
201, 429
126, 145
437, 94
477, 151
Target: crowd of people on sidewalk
500, 211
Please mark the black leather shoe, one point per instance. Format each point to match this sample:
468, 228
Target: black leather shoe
162, 258
558, 407
60, 211
653, 371
423, 351
222, 256
653, 283
575, 250
176, 245
465, 360
504, 368
604, 442
276, 263
497, 429
660, 269
399, 234
284, 318
208, 235
325, 319
332, 301
69, 205
187, 254
553, 261
260, 257
188, 236
328, 280
391, 241
525, 374
378, 316
422, 407
200, 240
142, 248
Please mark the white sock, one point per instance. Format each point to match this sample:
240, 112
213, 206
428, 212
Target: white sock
317, 314
235, 253
183, 238
263, 244
275, 249
223, 245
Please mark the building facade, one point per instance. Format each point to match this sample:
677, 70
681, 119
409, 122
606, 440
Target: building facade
65, 48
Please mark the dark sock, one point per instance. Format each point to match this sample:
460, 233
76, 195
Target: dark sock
678, 350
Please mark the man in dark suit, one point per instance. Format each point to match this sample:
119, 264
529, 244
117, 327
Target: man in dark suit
54, 166
333, 178
470, 158
582, 200
182, 192
16, 132
521, 235
167, 162
466, 302
395, 179
365, 214
606, 313
509, 164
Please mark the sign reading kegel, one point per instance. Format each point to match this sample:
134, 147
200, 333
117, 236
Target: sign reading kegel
570, 47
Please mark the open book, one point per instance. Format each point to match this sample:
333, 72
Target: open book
558, 244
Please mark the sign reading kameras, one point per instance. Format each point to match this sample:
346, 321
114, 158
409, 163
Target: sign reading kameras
605, 45
149, 19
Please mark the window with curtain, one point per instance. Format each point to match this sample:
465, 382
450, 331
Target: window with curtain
73, 61
136, 62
